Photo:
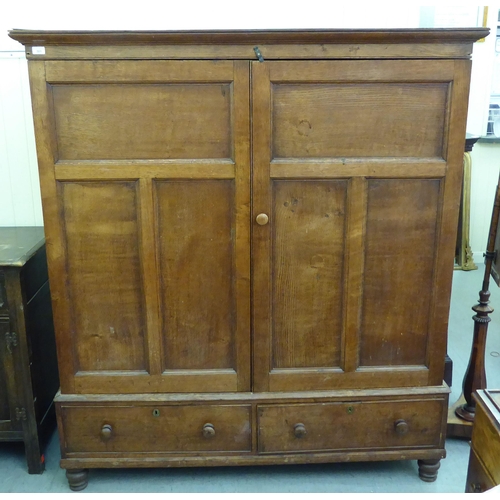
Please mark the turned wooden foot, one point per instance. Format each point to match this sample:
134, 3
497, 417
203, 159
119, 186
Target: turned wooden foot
77, 479
428, 470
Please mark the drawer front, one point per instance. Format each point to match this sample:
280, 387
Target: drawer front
180, 429
349, 426
486, 440
478, 479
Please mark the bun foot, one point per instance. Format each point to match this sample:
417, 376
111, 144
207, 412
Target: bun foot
428, 470
77, 479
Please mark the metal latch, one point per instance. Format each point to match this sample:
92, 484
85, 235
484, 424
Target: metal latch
11, 341
258, 53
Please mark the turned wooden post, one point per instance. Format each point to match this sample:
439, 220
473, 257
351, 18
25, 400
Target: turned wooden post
475, 376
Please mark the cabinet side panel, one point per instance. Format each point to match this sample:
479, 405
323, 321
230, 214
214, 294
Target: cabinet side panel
104, 274
196, 262
40, 328
307, 260
399, 264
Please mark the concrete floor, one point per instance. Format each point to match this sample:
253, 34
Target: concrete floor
369, 477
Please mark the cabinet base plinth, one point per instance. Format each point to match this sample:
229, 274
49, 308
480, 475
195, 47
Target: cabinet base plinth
252, 429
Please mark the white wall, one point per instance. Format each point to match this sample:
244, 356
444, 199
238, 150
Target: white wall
20, 203
481, 79
19, 190
484, 179
485, 157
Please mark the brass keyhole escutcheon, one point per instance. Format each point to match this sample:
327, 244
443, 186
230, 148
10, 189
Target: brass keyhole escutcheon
350, 410
156, 412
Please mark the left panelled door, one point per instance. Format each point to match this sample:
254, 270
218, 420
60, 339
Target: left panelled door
146, 207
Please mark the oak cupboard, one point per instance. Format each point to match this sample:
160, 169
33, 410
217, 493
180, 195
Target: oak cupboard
251, 240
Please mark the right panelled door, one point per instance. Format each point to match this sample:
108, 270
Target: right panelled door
357, 166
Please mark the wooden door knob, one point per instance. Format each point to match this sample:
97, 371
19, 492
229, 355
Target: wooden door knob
299, 430
106, 431
208, 431
401, 426
262, 219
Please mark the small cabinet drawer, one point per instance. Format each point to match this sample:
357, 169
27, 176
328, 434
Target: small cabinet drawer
136, 429
478, 479
486, 434
350, 426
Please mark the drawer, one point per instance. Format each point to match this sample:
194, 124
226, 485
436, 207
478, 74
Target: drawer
486, 440
478, 479
349, 426
138, 429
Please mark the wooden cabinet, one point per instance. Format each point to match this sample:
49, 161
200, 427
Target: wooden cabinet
251, 259
484, 463
28, 364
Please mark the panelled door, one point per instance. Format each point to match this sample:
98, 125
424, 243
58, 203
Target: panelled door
357, 168
147, 196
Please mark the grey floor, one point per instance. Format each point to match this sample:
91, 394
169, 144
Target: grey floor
378, 477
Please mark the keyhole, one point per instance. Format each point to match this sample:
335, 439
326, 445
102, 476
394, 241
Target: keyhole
156, 412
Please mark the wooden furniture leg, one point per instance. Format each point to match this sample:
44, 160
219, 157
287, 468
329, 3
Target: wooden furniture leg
78, 479
428, 470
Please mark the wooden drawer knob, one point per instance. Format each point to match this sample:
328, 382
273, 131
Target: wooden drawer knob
262, 219
401, 426
476, 488
299, 430
208, 431
106, 431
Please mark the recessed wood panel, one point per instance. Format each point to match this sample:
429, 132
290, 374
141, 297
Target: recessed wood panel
358, 119
134, 121
196, 261
308, 223
104, 275
399, 266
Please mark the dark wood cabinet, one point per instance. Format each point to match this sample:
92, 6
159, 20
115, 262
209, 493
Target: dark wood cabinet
28, 365
251, 259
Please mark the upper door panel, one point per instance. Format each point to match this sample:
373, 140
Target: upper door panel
142, 110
